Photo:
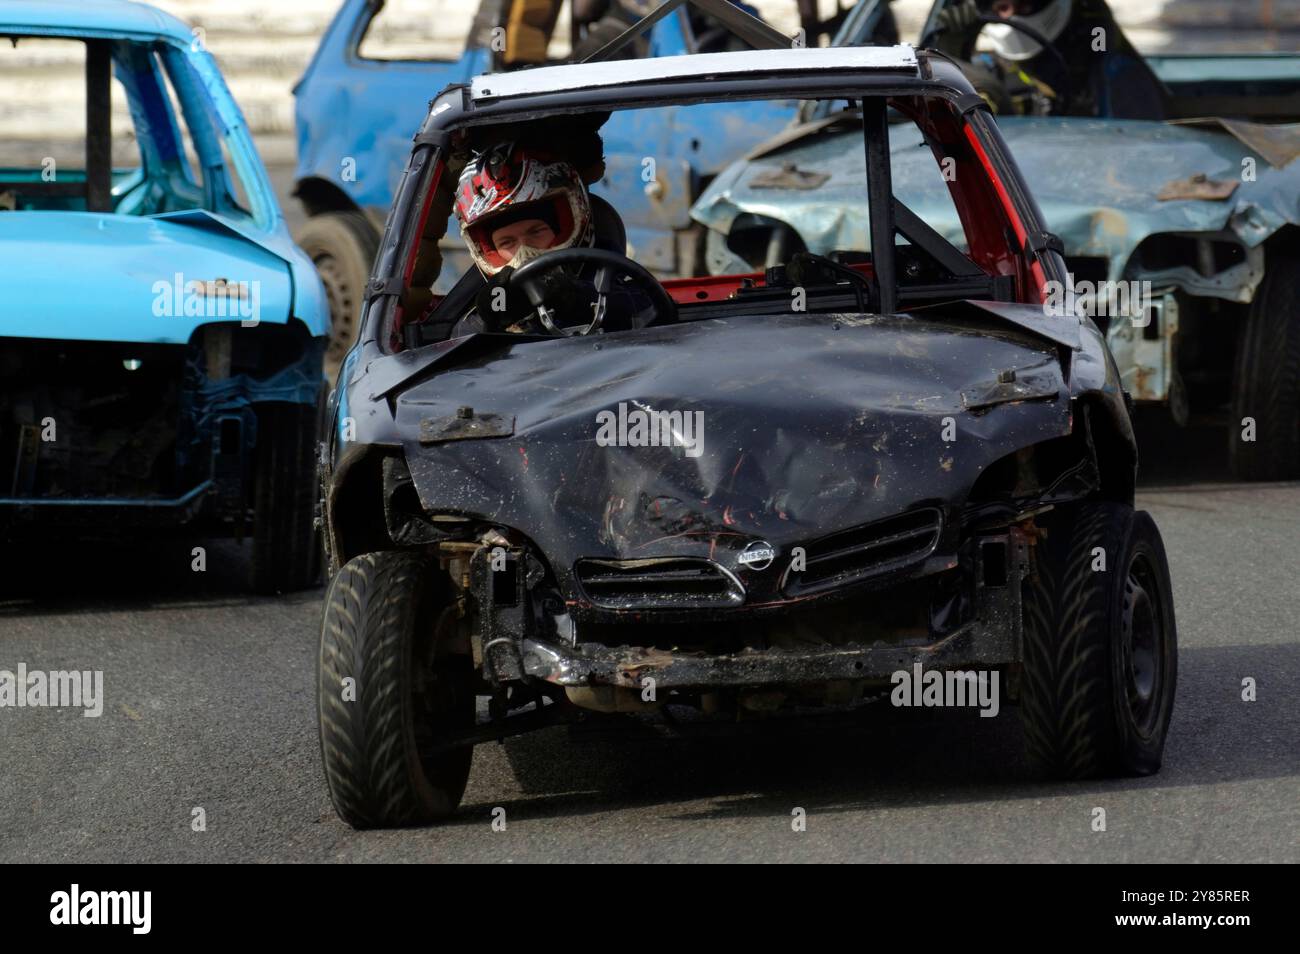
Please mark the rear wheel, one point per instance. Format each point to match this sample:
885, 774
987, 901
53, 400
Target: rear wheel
342, 246
1100, 644
1266, 388
286, 546
389, 690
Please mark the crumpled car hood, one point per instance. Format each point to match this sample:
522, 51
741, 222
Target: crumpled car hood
102, 277
1096, 181
810, 424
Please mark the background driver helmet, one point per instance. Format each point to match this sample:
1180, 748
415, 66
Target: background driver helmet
1048, 17
510, 182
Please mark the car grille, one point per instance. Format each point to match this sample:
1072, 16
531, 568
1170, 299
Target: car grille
851, 555
660, 583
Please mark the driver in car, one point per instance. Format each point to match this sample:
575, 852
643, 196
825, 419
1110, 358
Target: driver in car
516, 203
1106, 74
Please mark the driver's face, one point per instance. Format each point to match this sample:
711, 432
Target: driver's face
510, 238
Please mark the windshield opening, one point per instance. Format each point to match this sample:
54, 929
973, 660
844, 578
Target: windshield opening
788, 228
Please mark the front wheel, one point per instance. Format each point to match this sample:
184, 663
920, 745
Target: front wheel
390, 691
1266, 387
1100, 644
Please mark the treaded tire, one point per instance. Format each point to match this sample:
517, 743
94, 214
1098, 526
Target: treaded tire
1100, 647
382, 614
342, 246
1266, 384
286, 545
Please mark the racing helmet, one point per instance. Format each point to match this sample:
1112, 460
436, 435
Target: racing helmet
510, 182
1048, 17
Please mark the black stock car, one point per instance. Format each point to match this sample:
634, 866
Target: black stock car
920, 466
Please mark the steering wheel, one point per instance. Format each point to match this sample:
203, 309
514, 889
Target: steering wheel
1065, 95
527, 278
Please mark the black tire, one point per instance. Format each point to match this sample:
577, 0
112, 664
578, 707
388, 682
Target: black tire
342, 246
1101, 646
1266, 385
385, 619
286, 544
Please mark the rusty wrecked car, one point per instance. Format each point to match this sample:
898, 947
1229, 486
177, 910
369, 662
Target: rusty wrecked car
889, 463
1174, 187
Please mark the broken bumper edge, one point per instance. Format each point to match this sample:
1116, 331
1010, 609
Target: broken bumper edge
977, 645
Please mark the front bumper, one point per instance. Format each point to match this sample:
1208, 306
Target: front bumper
511, 650
977, 645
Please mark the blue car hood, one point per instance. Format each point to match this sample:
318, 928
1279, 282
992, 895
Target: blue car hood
102, 277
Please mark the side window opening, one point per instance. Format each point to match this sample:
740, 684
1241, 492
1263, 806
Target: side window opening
923, 185
223, 186
187, 159
44, 148
39, 132
407, 30
235, 182
127, 147
538, 32
167, 182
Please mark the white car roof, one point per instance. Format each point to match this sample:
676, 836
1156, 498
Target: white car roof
549, 79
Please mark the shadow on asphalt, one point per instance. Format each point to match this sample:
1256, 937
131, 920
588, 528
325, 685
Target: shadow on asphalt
127, 573
901, 757
1171, 456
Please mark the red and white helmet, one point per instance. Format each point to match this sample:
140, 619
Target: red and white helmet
510, 182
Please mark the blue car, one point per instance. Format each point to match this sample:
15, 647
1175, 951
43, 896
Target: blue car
161, 337
369, 85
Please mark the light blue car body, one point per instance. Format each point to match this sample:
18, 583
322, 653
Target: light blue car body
116, 259
180, 269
